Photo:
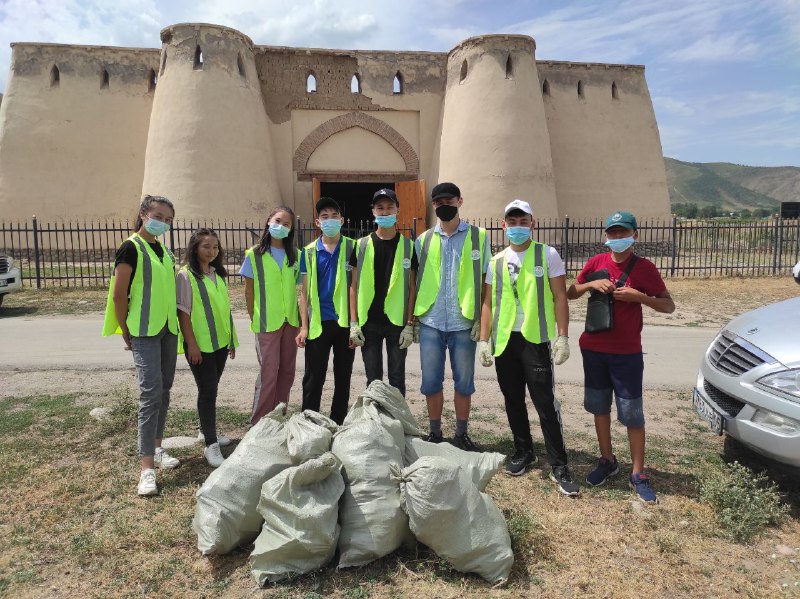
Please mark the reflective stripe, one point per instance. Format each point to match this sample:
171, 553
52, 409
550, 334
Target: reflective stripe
423, 258
230, 343
476, 269
348, 246
538, 263
362, 249
147, 284
498, 295
406, 275
212, 325
262, 284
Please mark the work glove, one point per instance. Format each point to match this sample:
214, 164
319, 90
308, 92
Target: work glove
485, 353
407, 336
475, 333
416, 332
356, 336
561, 350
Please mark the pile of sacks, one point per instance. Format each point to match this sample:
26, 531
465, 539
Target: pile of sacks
301, 487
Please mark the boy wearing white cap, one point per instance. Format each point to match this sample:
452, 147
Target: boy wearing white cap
524, 309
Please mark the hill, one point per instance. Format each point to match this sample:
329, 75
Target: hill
731, 186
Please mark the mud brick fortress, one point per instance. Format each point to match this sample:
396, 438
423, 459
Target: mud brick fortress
228, 129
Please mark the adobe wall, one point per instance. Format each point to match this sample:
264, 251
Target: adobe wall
74, 148
606, 150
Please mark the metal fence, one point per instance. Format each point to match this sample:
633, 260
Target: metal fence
67, 254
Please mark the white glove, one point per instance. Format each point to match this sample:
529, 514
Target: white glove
475, 333
356, 336
561, 350
485, 353
407, 336
417, 327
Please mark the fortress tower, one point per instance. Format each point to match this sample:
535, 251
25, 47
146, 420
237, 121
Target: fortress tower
494, 141
209, 145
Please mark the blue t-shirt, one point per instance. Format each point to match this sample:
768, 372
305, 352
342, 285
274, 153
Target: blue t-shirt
246, 269
326, 277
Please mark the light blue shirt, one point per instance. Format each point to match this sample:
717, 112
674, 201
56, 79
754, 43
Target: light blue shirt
445, 314
246, 269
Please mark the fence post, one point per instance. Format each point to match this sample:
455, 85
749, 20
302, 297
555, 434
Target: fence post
565, 253
776, 245
37, 257
674, 244
172, 239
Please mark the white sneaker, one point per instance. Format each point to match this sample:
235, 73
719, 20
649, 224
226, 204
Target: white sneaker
163, 460
147, 483
221, 439
214, 455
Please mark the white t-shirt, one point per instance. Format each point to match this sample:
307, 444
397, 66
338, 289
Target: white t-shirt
555, 268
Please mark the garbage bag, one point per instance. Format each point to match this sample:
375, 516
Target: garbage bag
309, 435
373, 524
226, 514
383, 402
448, 513
300, 507
481, 466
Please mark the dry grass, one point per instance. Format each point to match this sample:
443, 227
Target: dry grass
73, 526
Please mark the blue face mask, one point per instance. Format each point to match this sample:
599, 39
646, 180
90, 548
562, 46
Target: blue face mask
155, 227
518, 235
619, 245
278, 231
330, 226
386, 222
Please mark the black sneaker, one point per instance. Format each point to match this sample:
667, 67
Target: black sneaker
519, 463
563, 478
465, 443
434, 437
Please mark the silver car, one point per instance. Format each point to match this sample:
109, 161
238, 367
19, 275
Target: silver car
749, 382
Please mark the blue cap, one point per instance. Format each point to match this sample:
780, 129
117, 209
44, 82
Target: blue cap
622, 219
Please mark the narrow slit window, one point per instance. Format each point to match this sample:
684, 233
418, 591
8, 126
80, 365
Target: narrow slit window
546, 88
463, 71
152, 80
311, 83
240, 66
104, 79
55, 76
614, 91
355, 84
397, 84
509, 68
163, 63
580, 89
198, 59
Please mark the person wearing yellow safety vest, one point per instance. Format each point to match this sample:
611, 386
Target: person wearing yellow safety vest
382, 294
325, 311
270, 269
524, 309
453, 257
141, 308
209, 337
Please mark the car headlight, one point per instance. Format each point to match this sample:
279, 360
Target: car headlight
776, 422
787, 381
10, 262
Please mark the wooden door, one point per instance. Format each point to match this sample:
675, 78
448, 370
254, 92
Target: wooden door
315, 194
411, 195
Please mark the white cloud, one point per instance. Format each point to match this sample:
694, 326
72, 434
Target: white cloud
721, 48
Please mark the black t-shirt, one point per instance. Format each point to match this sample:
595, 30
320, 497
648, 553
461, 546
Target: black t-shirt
384, 260
126, 254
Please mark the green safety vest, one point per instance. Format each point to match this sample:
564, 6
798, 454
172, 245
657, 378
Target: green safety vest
151, 301
275, 293
395, 305
341, 292
212, 321
535, 297
470, 276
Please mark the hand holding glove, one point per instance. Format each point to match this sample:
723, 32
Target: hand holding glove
475, 333
561, 350
407, 336
485, 353
356, 336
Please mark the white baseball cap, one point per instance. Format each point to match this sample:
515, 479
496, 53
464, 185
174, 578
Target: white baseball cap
518, 205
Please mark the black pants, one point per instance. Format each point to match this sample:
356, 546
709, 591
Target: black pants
522, 364
207, 374
317, 353
372, 353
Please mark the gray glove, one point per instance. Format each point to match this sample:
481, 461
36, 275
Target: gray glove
416, 331
560, 350
475, 333
407, 336
485, 353
356, 336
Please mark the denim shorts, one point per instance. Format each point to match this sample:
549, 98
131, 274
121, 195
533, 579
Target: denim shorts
432, 346
619, 375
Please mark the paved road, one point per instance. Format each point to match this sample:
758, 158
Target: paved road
73, 342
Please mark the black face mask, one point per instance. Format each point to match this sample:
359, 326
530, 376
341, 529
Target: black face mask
446, 213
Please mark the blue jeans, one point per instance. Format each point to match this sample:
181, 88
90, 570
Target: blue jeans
617, 375
432, 346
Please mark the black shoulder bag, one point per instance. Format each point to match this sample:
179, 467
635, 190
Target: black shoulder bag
600, 308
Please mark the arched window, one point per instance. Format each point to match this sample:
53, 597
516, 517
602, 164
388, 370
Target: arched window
614, 91
104, 78
55, 76
163, 63
509, 68
545, 88
240, 66
580, 89
397, 84
355, 84
198, 59
151, 80
463, 71
311, 83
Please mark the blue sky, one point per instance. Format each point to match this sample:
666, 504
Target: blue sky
724, 74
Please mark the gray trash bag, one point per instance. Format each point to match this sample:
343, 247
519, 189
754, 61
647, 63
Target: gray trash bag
309, 435
300, 507
373, 524
383, 402
481, 466
448, 513
226, 514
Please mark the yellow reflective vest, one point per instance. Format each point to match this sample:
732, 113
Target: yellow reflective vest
274, 293
395, 304
341, 291
212, 321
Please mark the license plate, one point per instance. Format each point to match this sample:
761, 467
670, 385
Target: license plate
3, 283
708, 413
